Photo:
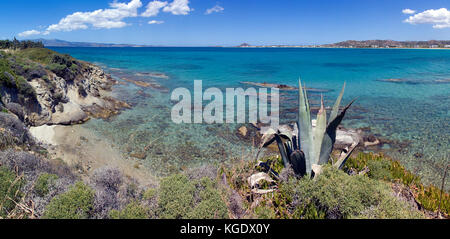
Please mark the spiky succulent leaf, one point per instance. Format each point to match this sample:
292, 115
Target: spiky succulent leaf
319, 131
268, 138
335, 110
285, 132
340, 163
304, 126
330, 136
282, 149
298, 162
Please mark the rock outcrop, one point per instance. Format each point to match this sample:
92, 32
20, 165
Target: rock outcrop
69, 93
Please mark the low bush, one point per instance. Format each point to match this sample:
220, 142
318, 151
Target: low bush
21, 161
10, 186
43, 182
180, 197
211, 204
335, 194
176, 197
134, 210
387, 169
106, 182
76, 203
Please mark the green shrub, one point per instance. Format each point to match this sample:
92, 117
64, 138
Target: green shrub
24, 87
41, 55
334, 194
380, 169
180, 197
58, 69
211, 205
7, 75
150, 194
390, 208
10, 187
384, 168
76, 203
176, 197
43, 182
133, 210
264, 212
430, 196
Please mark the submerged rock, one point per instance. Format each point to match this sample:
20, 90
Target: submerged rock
416, 82
284, 87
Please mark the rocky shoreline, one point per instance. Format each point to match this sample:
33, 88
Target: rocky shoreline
62, 102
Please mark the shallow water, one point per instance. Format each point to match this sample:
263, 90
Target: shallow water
414, 113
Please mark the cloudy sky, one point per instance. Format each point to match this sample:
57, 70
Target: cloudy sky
225, 22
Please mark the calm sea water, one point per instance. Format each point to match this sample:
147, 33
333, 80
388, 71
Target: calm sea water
413, 115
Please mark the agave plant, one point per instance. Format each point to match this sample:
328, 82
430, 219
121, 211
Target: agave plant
305, 148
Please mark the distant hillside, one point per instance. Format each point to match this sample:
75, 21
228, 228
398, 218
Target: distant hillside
390, 44
364, 44
61, 43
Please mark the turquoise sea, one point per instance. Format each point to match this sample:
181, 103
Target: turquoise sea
412, 117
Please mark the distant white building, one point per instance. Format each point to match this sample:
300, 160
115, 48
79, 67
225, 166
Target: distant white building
434, 46
447, 46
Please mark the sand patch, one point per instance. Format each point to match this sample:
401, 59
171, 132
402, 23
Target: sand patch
85, 151
44, 134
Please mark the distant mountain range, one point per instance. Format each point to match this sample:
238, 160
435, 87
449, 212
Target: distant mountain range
61, 43
344, 44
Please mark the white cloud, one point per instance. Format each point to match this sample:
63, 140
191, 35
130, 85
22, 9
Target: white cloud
408, 11
103, 18
153, 8
155, 22
29, 33
439, 18
216, 8
112, 17
178, 7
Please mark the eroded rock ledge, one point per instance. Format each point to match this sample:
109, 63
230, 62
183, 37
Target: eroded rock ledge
69, 95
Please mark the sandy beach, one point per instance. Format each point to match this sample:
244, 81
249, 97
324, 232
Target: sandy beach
82, 149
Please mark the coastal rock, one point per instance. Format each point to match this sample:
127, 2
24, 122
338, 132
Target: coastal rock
13, 131
56, 100
139, 155
243, 131
284, 87
153, 75
416, 82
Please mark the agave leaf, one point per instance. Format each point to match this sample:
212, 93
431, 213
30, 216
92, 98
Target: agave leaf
282, 150
298, 162
289, 147
340, 163
307, 103
337, 121
268, 138
286, 132
304, 127
330, 136
319, 131
335, 110
326, 149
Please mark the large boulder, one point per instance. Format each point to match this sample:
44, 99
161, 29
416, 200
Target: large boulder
13, 131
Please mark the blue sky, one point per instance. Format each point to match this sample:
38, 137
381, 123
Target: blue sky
230, 22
